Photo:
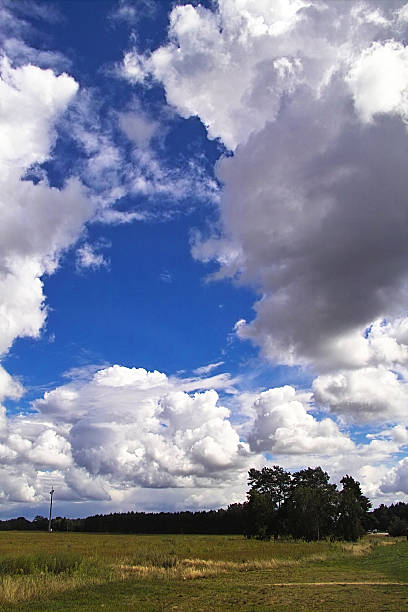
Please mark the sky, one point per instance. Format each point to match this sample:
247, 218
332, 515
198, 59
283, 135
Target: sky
203, 249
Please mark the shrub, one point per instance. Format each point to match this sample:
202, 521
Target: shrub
397, 527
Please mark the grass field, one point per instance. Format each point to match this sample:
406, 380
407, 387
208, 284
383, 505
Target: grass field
75, 571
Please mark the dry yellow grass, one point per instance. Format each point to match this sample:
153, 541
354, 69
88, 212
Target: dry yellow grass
15, 589
188, 569
360, 548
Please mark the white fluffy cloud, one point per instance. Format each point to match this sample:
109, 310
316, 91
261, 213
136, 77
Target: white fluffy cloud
371, 384
137, 426
32, 99
38, 221
9, 387
122, 433
233, 65
379, 80
396, 481
120, 430
123, 428
364, 395
284, 426
220, 67
127, 428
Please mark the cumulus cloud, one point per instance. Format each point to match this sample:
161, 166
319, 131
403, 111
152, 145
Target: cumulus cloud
284, 426
110, 434
311, 97
299, 164
363, 395
38, 221
212, 58
28, 117
396, 481
9, 387
141, 427
123, 427
379, 80
371, 384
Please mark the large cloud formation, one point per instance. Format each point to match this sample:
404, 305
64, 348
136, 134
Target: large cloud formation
312, 98
123, 428
123, 434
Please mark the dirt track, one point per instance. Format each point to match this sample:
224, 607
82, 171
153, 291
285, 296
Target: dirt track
341, 583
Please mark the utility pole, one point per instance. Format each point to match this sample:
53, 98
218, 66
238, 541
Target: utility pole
49, 520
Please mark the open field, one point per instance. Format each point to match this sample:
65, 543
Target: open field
76, 571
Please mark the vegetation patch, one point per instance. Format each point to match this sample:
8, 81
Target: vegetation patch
32, 576
87, 572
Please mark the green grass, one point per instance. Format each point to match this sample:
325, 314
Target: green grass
57, 563
87, 572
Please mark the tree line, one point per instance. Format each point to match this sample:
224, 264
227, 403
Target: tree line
303, 505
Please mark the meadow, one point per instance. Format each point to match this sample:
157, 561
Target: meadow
88, 572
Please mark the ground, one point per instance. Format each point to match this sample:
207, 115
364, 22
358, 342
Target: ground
73, 571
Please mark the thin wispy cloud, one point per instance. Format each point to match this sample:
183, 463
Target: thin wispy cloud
208, 368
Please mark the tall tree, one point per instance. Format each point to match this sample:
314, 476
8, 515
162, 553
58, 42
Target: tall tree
352, 510
269, 489
312, 504
274, 482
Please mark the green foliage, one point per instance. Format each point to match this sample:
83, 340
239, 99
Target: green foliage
156, 558
398, 527
352, 510
270, 488
260, 514
40, 522
273, 482
312, 504
60, 563
304, 505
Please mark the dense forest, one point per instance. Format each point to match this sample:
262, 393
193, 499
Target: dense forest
279, 504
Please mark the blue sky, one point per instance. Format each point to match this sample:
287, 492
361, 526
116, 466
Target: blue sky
152, 288
202, 259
